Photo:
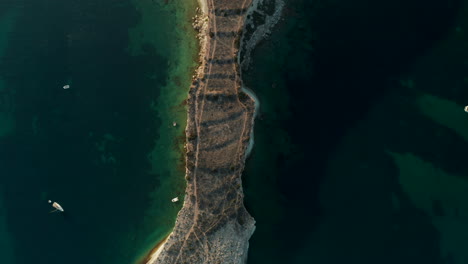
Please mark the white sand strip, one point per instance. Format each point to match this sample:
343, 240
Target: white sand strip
158, 251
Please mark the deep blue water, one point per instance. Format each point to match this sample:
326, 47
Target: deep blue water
361, 134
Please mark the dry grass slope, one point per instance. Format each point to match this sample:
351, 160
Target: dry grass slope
213, 225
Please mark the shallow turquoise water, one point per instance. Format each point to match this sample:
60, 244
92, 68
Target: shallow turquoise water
105, 149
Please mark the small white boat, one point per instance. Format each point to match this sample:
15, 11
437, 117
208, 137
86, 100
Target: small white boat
176, 199
67, 86
466, 108
174, 124
57, 206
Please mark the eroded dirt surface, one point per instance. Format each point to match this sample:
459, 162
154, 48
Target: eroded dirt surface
213, 225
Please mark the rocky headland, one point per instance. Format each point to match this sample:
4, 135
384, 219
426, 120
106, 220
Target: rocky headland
213, 225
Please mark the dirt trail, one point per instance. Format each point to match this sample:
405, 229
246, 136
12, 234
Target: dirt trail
213, 225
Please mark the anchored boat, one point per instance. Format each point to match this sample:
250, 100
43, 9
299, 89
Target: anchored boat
57, 206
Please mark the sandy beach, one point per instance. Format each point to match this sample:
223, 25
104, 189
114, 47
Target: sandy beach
156, 251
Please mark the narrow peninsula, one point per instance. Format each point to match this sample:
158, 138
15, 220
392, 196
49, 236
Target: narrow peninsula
213, 225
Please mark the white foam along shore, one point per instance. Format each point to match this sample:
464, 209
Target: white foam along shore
252, 95
247, 45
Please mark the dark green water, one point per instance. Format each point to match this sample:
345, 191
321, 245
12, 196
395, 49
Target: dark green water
105, 149
359, 151
361, 142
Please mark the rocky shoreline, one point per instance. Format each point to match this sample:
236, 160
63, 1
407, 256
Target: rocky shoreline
213, 225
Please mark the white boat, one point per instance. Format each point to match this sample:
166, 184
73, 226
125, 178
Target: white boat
176, 199
466, 108
57, 206
67, 86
